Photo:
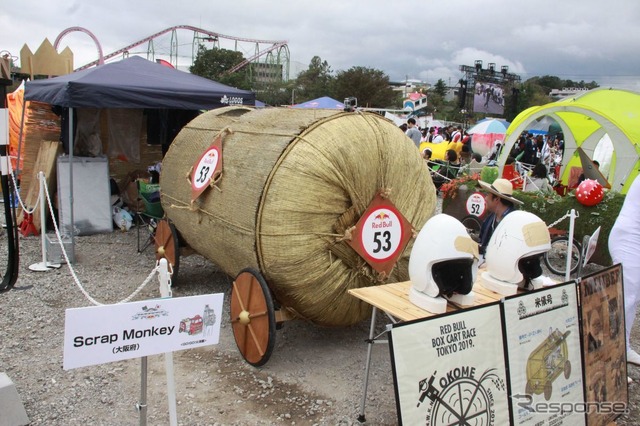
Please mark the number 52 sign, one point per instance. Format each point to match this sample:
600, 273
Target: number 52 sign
381, 235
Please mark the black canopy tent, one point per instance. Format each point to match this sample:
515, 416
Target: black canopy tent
132, 83
135, 83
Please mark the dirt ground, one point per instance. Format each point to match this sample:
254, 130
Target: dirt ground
314, 376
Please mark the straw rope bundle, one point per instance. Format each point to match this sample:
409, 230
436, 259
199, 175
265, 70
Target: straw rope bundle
294, 183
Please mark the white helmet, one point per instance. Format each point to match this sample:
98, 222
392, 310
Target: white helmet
514, 250
444, 258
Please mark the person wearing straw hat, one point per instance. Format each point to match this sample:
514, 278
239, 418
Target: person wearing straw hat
500, 202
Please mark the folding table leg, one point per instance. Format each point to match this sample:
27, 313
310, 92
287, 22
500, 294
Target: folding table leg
370, 342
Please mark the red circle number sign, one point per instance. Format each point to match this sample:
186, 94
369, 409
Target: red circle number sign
381, 235
476, 204
206, 169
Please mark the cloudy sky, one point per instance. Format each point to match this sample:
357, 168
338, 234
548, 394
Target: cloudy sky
423, 39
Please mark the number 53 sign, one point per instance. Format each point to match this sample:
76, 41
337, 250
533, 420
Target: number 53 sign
206, 169
381, 235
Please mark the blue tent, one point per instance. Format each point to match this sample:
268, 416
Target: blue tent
323, 102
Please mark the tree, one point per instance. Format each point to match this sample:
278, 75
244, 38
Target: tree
440, 88
370, 86
215, 63
275, 93
315, 82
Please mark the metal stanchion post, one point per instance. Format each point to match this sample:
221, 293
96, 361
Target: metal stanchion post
142, 405
567, 271
44, 265
165, 292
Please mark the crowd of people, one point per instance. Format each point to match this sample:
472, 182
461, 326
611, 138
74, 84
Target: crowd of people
535, 159
530, 150
434, 134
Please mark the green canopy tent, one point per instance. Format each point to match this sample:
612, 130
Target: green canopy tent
584, 120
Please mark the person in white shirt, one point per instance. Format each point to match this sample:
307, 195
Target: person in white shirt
624, 241
456, 136
438, 138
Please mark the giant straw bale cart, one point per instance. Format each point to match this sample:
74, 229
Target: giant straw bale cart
281, 213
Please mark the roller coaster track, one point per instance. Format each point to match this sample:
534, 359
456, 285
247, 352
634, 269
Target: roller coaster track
279, 46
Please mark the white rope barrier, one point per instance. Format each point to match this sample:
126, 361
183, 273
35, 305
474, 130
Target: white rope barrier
17, 193
73, 272
567, 214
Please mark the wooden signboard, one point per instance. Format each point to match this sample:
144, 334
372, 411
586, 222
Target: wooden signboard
604, 347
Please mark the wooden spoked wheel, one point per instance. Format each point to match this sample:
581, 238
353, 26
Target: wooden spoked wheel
253, 317
167, 246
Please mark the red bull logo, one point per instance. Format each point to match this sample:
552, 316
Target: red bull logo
381, 221
210, 158
381, 216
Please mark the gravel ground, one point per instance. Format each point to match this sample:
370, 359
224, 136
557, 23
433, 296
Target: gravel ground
313, 377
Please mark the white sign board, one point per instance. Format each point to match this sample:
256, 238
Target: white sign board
450, 369
591, 246
545, 359
100, 334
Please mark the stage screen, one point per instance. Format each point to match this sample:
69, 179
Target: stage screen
488, 98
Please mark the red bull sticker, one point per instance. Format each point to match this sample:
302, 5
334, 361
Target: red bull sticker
381, 235
476, 204
207, 169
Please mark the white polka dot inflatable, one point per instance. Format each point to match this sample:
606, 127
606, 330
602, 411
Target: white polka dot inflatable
589, 192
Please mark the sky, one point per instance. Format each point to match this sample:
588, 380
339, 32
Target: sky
427, 40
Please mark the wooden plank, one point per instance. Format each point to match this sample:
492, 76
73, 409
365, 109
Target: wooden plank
394, 299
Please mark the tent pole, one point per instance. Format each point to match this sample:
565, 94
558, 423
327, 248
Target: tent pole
71, 135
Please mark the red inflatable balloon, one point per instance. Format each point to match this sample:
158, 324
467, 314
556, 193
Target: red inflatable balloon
589, 192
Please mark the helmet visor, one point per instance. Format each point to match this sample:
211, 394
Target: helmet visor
453, 276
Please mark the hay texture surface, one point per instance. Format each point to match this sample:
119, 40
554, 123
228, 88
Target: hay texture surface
293, 185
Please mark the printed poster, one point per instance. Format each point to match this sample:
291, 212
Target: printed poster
545, 363
605, 363
450, 369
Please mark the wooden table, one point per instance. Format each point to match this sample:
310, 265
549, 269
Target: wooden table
393, 300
